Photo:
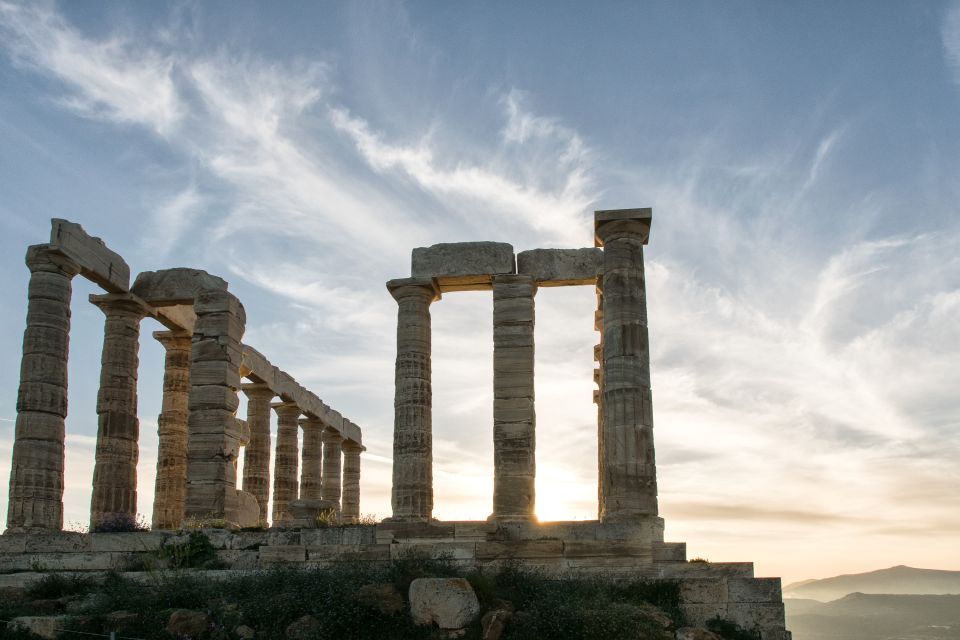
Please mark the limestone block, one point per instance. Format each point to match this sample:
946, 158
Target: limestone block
754, 589
359, 534
641, 217
329, 536
519, 549
670, 552
703, 590
560, 267
56, 542
463, 266
285, 553
175, 286
436, 550
757, 615
699, 614
600, 548
248, 510
474, 530
449, 603
127, 542
41, 626
96, 261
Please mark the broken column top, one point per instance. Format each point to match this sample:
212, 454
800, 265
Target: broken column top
644, 216
463, 266
175, 286
95, 259
560, 267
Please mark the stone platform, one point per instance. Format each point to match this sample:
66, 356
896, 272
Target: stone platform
581, 548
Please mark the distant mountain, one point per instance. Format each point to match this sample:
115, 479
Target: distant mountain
895, 580
861, 616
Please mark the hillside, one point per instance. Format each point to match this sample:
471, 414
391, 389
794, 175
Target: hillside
895, 580
860, 616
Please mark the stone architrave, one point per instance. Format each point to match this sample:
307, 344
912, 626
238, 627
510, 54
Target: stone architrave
412, 493
332, 441
118, 428
256, 455
36, 471
285, 461
170, 489
213, 444
628, 471
514, 417
311, 459
350, 509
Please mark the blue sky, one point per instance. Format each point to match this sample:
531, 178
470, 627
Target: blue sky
803, 271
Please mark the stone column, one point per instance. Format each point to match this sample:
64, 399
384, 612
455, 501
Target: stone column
514, 417
412, 495
213, 444
118, 429
628, 474
311, 460
598, 392
350, 510
170, 489
36, 470
285, 461
331, 465
256, 455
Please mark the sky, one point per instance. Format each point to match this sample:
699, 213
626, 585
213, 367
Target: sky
803, 271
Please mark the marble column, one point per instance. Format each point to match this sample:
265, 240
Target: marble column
331, 465
285, 461
118, 429
350, 510
514, 417
598, 392
170, 490
412, 494
629, 478
311, 460
36, 471
256, 455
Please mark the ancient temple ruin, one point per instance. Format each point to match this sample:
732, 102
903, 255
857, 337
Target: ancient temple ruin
200, 437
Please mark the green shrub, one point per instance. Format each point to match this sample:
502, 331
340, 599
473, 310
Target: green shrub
58, 585
120, 523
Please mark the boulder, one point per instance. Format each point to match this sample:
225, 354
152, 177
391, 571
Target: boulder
696, 633
493, 622
248, 510
187, 623
449, 603
382, 597
41, 626
305, 628
243, 632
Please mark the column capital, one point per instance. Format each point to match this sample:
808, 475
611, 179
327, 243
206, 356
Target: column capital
257, 390
610, 222
349, 446
173, 339
287, 410
409, 287
43, 257
331, 436
119, 304
311, 422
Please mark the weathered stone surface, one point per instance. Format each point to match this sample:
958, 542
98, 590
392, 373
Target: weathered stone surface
561, 267
462, 266
305, 628
449, 603
41, 626
285, 462
175, 286
187, 623
696, 633
171, 483
306, 514
332, 441
256, 455
412, 492
350, 508
311, 464
628, 481
493, 622
382, 597
91, 255
248, 510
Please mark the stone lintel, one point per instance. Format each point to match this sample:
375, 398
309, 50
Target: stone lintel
643, 216
561, 267
127, 299
463, 266
178, 286
178, 317
96, 261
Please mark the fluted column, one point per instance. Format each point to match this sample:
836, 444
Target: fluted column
350, 509
170, 490
598, 392
331, 465
36, 470
256, 455
412, 494
629, 478
285, 461
514, 417
118, 429
311, 461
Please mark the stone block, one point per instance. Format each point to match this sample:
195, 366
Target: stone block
248, 510
96, 261
600, 548
640, 218
754, 589
703, 590
284, 553
175, 286
757, 615
127, 542
561, 267
436, 550
387, 532
698, 614
706, 569
449, 603
13, 543
323, 536
57, 542
518, 549
214, 396
463, 266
